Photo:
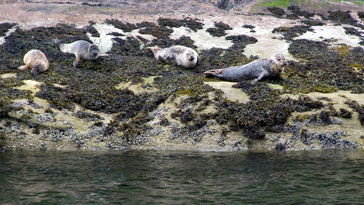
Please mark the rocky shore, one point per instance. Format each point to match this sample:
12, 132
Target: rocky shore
128, 100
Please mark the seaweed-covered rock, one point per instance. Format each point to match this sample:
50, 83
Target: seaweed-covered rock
219, 29
291, 32
276, 11
296, 10
4, 27
190, 23
126, 27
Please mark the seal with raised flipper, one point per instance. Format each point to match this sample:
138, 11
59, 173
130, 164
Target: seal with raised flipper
81, 49
36, 60
255, 70
179, 55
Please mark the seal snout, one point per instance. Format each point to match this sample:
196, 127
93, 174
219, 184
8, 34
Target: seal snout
191, 58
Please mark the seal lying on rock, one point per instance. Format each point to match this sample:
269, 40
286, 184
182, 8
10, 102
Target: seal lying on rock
179, 55
255, 70
81, 49
36, 60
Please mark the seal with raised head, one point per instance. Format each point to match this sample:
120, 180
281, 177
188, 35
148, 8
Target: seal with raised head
36, 60
255, 70
179, 55
81, 49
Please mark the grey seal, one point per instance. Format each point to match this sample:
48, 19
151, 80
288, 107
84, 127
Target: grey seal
36, 60
81, 49
180, 55
255, 70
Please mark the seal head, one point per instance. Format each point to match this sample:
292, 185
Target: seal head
93, 51
39, 66
178, 55
278, 64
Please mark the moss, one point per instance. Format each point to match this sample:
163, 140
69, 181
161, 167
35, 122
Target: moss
343, 50
186, 92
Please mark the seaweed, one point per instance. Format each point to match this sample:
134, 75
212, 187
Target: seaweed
4, 27
361, 14
154, 30
87, 116
219, 29
169, 22
296, 10
126, 27
291, 32
188, 22
276, 11
90, 29
353, 31
313, 22
248, 26
343, 17
240, 41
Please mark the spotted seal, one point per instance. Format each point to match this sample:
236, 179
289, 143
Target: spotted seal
81, 49
179, 55
255, 70
36, 60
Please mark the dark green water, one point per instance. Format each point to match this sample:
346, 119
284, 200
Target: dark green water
321, 177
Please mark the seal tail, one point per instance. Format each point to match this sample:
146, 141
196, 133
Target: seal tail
213, 73
58, 43
155, 50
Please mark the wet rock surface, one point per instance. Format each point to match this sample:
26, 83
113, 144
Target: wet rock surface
127, 99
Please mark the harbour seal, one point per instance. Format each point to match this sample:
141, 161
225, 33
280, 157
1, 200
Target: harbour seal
255, 70
81, 49
179, 55
36, 60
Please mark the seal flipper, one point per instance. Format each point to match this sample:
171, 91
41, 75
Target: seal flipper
77, 60
213, 73
24, 67
261, 75
155, 50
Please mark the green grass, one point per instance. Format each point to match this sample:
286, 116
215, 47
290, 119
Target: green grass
277, 3
313, 3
